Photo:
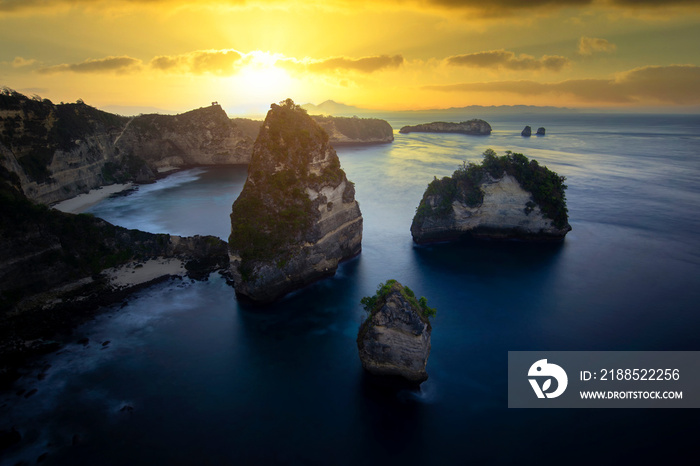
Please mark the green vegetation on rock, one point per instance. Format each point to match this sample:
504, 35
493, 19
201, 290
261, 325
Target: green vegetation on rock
371, 304
274, 212
39, 128
546, 187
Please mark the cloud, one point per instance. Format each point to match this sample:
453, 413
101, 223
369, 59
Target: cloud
121, 64
503, 59
589, 45
674, 84
335, 64
221, 62
20, 62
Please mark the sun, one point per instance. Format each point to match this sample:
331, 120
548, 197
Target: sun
259, 82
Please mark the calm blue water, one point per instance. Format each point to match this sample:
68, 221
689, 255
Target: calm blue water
205, 381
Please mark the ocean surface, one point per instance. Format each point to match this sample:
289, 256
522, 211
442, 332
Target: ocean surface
190, 376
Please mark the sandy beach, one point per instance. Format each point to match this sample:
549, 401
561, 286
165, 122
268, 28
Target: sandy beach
82, 202
133, 273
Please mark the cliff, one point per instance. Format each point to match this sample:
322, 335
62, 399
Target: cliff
473, 127
503, 197
296, 217
394, 339
55, 266
60, 151
341, 130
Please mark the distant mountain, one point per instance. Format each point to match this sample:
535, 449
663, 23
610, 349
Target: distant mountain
495, 110
331, 107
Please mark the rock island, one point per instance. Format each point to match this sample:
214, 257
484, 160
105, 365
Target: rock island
507, 197
297, 216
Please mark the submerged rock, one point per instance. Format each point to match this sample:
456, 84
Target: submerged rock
527, 132
394, 340
473, 127
540, 131
504, 197
296, 217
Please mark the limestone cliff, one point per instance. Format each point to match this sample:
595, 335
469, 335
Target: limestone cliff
59, 151
504, 197
205, 136
473, 127
394, 340
296, 217
53, 265
341, 130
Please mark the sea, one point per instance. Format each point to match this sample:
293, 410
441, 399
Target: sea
182, 373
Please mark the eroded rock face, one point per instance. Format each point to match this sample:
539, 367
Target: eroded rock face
296, 217
540, 131
502, 214
341, 130
507, 211
489, 200
344, 130
395, 339
526, 132
473, 127
60, 151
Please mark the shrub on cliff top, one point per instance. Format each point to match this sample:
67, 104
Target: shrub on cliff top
372, 303
546, 187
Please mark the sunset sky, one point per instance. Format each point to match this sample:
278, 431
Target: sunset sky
176, 55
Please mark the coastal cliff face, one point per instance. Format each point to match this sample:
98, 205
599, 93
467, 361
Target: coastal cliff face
343, 130
60, 151
296, 217
205, 136
490, 201
473, 127
55, 266
394, 340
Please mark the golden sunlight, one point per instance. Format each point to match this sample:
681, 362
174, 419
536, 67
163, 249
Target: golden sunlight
260, 82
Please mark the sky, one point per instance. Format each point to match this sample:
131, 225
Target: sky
176, 55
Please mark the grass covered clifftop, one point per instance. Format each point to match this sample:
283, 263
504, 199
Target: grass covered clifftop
546, 187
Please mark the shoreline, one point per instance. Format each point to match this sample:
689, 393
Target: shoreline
82, 202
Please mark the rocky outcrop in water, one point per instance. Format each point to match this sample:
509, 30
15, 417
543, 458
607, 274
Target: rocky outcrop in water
394, 340
60, 151
504, 197
540, 131
526, 132
296, 217
473, 127
55, 268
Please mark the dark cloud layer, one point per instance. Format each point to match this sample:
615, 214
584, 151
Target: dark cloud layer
503, 59
492, 8
675, 84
